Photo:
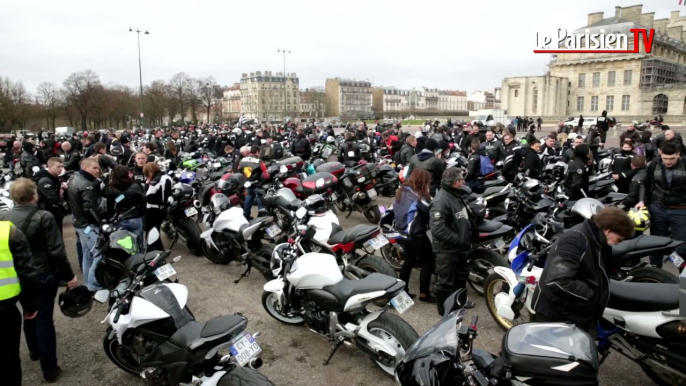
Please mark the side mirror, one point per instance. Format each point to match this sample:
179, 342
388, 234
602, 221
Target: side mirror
102, 296
153, 236
283, 169
300, 213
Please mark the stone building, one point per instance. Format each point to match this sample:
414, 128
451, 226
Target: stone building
628, 85
390, 100
452, 100
312, 104
231, 103
270, 97
348, 99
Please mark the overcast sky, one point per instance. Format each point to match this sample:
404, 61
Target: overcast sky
448, 44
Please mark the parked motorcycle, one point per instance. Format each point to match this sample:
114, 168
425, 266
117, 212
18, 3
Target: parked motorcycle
356, 193
179, 222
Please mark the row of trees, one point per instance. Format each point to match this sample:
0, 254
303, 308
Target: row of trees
84, 102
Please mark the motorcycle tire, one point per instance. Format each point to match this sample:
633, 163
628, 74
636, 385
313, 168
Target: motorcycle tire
373, 264
481, 263
213, 255
489, 294
373, 214
394, 255
268, 301
244, 376
192, 232
653, 275
265, 252
113, 351
391, 326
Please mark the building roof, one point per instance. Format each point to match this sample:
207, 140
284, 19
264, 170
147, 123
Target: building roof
609, 21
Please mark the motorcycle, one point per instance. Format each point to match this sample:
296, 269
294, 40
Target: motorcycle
356, 192
154, 336
310, 289
179, 222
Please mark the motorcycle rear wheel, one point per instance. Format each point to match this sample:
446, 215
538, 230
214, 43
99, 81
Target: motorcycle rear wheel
373, 214
192, 233
371, 264
244, 376
653, 275
393, 254
481, 265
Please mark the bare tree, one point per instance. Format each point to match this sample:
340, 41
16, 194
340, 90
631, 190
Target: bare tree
193, 91
155, 97
179, 85
81, 88
50, 100
207, 95
15, 103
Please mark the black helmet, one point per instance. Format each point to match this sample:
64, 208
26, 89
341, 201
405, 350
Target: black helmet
76, 302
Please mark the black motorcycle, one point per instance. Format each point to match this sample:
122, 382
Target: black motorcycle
356, 192
180, 223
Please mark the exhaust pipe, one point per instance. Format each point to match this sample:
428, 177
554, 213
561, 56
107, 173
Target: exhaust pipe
255, 363
196, 204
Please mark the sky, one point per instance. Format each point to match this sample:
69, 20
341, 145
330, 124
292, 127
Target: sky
445, 44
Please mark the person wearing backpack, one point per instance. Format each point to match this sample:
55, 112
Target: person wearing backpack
427, 160
301, 145
478, 166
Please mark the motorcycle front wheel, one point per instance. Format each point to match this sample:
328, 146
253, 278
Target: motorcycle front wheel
213, 255
192, 232
118, 356
395, 331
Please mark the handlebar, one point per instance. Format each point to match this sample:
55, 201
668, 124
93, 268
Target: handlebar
120, 308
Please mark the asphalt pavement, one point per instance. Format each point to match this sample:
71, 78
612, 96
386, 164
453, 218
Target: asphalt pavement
292, 355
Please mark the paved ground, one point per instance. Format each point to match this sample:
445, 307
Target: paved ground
292, 355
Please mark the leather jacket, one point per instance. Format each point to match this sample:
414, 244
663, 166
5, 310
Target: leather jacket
84, 193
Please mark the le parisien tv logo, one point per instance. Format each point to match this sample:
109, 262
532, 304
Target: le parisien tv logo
598, 43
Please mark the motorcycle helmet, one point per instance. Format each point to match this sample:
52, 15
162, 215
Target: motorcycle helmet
641, 218
236, 131
76, 302
330, 139
187, 177
587, 207
604, 165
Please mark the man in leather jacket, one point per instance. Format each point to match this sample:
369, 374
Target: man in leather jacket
638, 167
494, 148
452, 228
574, 286
474, 179
72, 158
220, 143
576, 180
427, 160
51, 264
141, 159
407, 151
29, 160
50, 190
349, 152
84, 198
664, 192
301, 145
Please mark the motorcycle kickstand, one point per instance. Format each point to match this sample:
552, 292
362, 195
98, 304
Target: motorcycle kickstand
245, 274
334, 348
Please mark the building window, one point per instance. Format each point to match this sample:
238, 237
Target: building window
580, 103
516, 93
535, 99
582, 80
611, 78
596, 79
609, 102
594, 103
625, 102
627, 77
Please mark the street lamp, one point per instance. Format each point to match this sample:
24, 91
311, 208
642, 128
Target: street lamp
140, 71
284, 51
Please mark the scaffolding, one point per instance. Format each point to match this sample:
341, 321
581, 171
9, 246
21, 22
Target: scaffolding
657, 72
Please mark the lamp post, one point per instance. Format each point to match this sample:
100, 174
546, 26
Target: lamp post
140, 70
284, 51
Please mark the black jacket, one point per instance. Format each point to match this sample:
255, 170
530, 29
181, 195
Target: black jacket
494, 150
426, 160
513, 161
469, 138
633, 135
405, 154
621, 165
474, 165
635, 188
656, 189
567, 155
574, 285
27, 162
84, 198
45, 239
133, 198
220, 143
26, 272
450, 222
301, 147
344, 154
602, 123
72, 160
576, 179
49, 192
532, 163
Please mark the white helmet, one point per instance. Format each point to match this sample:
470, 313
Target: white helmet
330, 139
237, 131
587, 207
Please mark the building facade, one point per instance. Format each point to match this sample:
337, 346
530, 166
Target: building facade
452, 101
348, 98
390, 100
312, 104
630, 85
270, 97
231, 103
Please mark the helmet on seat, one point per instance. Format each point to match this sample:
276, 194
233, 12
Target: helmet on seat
76, 302
587, 207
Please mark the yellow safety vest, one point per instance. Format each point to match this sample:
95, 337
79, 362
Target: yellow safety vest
9, 281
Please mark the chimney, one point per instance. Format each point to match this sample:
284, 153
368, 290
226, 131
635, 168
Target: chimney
244, 75
660, 25
673, 16
633, 13
647, 19
618, 12
674, 32
594, 17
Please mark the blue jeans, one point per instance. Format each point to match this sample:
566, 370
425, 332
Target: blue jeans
252, 195
135, 226
40, 331
662, 220
90, 260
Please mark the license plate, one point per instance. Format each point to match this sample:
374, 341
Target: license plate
402, 302
676, 259
164, 272
378, 241
334, 197
245, 349
372, 193
499, 243
217, 165
190, 212
273, 230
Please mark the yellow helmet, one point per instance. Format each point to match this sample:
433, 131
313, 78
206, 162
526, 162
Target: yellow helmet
641, 218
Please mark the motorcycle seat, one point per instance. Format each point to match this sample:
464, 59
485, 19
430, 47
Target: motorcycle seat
640, 242
643, 297
134, 261
355, 233
489, 226
194, 334
279, 200
215, 176
494, 183
491, 190
248, 229
345, 288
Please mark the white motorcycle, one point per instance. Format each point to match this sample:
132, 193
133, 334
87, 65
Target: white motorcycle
310, 289
152, 334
